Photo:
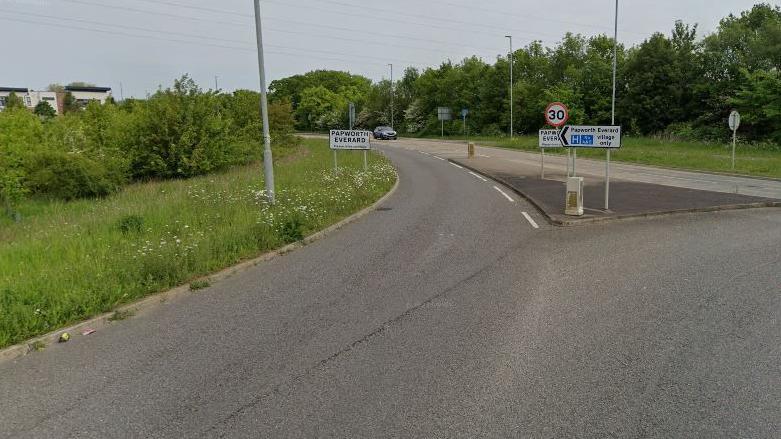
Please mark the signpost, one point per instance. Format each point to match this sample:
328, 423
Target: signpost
548, 139
350, 140
443, 114
464, 113
584, 136
734, 124
352, 115
556, 115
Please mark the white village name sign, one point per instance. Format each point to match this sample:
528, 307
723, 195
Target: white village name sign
350, 139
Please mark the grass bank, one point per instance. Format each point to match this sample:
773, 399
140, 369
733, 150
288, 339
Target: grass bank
65, 262
752, 160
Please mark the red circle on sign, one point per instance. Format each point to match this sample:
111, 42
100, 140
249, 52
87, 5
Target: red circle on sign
556, 114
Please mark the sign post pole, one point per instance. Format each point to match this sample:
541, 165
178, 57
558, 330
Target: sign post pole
574, 163
365, 160
613, 110
336, 165
734, 142
443, 114
548, 139
556, 115
734, 123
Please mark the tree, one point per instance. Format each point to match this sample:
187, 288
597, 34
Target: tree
651, 86
44, 110
322, 109
81, 84
59, 88
69, 104
759, 101
14, 102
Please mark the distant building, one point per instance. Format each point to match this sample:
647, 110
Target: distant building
84, 95
31, 98
18, 91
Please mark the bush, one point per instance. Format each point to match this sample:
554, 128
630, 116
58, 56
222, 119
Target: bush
179, 132
182, 132
69, 176
130, 224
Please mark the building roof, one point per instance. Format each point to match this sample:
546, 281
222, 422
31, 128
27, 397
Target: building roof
14, 89
89, 89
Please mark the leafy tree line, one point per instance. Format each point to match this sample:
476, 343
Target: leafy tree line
678, 84
179, 132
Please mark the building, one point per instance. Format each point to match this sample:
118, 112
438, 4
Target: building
84, 95
20, 92
31, 98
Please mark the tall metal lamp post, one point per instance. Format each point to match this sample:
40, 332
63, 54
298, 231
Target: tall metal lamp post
511, 84
391, 95
613, 110
268, 161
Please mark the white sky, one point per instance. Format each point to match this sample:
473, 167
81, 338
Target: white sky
146, 43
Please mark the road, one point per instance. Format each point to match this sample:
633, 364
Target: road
555, 164
445, 313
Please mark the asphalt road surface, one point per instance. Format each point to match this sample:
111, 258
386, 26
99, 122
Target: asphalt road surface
444, 314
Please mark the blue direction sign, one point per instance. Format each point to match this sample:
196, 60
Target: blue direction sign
575, 136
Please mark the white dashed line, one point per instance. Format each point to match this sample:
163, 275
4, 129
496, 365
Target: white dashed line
505, 195
424, 153
439, 158
457, 166
530, 220
477, 176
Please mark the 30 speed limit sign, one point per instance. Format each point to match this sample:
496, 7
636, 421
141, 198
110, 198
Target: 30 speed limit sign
557, 114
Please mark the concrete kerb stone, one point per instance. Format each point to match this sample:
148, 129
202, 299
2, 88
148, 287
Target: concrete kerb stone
151, 302
556, 221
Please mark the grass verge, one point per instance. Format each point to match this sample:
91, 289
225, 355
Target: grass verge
752, 160
65, 262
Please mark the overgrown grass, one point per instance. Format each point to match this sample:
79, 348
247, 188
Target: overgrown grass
68, 261
754, 160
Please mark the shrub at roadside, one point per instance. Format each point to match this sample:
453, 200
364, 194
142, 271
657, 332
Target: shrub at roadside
179, 132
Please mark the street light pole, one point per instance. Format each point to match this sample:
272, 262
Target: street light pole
268, 161
613, 110
511, 84
391, 95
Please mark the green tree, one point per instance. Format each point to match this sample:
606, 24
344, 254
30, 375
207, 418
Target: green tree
322, 109
81, 84
44, 110
759, 101
69, 104
651, 86
14, 102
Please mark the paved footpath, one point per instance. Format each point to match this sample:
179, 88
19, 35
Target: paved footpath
557, 166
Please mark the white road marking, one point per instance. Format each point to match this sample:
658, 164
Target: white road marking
439, 158
477, 176
483, 155
530, 220
505, 195
457, 166
424, 153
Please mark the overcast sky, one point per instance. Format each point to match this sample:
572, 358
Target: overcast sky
146, 43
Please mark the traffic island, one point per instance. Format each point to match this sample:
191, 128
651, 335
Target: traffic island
627, 199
